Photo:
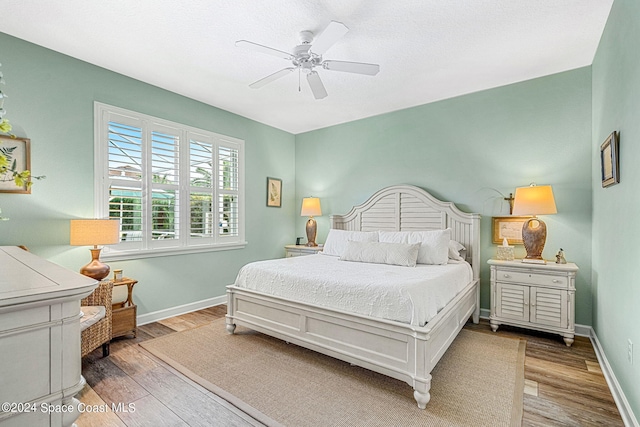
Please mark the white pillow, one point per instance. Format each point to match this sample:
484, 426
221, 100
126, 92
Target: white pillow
454, 250
382, 253
434, 248
337, 240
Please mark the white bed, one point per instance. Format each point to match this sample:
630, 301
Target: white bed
389, 338
392, 292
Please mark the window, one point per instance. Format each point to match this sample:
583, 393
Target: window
174, 188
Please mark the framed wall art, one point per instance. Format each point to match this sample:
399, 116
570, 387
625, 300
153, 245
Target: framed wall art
15, 155
610, 161
509, 227
274, 192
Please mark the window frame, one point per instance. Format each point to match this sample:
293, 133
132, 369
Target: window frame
184, 244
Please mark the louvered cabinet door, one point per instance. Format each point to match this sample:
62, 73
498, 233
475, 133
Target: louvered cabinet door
512, 302
549, 307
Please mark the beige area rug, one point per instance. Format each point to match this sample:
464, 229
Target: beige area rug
478, 382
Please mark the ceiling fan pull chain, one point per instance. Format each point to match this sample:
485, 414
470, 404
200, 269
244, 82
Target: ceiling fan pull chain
299, 89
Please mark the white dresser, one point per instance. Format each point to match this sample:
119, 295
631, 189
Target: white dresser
534, 296
40, 365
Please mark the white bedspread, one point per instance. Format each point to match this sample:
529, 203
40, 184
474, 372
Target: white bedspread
404, 294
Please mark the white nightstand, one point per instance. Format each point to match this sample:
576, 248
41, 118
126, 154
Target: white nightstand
301, 250
534, 296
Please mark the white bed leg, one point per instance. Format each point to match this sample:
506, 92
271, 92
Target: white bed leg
231, 327
421, 393
494, 325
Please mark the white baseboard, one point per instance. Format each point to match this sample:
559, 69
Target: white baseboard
583, 330
143, 319
622, 403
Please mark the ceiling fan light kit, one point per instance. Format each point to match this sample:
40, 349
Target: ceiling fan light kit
308, 55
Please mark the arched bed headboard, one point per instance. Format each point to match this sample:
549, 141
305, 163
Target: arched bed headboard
410, 208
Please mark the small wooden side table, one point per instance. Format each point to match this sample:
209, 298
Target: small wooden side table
124, 313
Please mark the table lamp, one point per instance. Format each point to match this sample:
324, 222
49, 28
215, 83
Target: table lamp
88, 232
311, 208
534, 200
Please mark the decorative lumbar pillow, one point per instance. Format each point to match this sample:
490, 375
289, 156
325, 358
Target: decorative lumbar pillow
382, 253
454, 250
337, 240
434, 244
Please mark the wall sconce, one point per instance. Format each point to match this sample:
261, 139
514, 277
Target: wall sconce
311, 208
534, 200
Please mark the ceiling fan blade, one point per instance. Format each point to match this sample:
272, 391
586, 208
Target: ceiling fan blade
316, 85
271, 77
334, 32
352, 67
263, 49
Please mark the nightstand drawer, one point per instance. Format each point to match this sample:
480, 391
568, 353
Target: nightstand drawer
301, 250
531, 278
291, 253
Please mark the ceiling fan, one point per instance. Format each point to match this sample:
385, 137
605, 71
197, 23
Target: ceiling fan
306, 56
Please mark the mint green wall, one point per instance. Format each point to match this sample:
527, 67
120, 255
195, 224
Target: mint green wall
616, 209
458, 149
51, 102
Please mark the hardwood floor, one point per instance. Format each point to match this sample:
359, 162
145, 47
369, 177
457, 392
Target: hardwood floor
564, 386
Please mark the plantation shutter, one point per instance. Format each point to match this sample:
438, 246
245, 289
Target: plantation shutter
165, 185
228, 186
125, 165
173, 188
201, 188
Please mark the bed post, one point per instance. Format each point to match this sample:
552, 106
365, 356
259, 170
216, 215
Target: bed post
475, 262
476, 313
421, 392
230, 323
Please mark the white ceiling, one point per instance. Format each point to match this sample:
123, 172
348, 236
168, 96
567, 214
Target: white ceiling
427, 49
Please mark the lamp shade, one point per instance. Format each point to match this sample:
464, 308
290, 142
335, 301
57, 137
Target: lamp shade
311, 207
91, 232
534, 200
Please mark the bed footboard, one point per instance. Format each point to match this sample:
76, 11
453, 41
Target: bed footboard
398, 350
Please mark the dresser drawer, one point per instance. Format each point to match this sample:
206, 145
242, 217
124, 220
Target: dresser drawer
525, 278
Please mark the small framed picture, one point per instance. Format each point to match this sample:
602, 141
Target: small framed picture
509, 227
274, 192
16, 156
610, 161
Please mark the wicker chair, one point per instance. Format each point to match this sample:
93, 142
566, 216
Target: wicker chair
100, 332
